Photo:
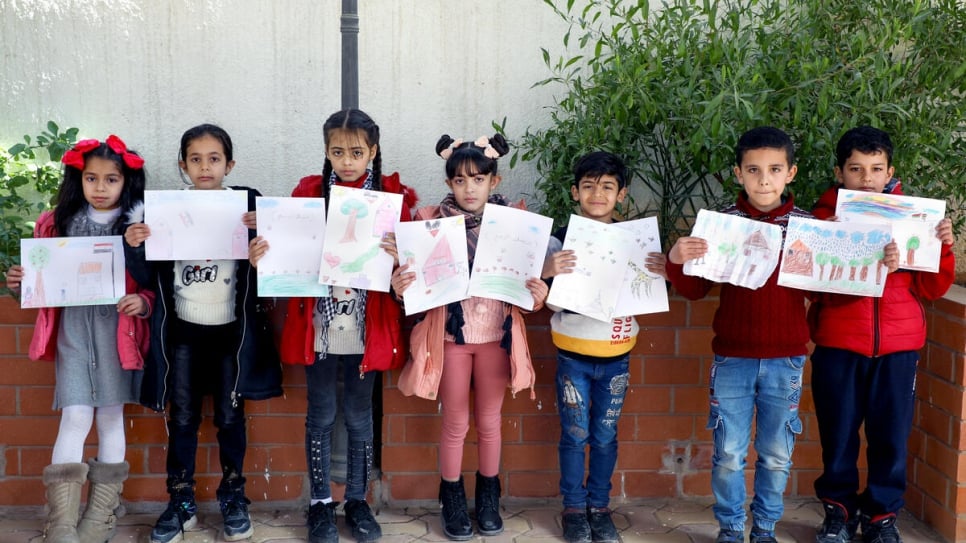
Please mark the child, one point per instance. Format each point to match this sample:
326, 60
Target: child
98, 351
592, 368
355, 331
759, 348
477, 344
208, 336
864, 363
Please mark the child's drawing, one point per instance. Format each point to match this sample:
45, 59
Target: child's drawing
913, 221
294, 228
436, 251
196, 224
641, 291
510, 250
357, 220
830, 256
602, 252
72, 271
741, 251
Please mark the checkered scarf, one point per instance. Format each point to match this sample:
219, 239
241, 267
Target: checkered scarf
327, 304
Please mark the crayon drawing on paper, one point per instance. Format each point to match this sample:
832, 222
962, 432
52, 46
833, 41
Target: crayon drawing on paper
642, 292
71, 271
435, 250
831, 256
741, 251
510, 250
356, 222
602, 252
913, 221
293, 228
196, 224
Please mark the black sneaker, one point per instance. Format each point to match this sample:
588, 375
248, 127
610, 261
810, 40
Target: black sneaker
881, 529
321, 523
602, 529
576, 528
762, 536
730, 536
178, 518
234, 509
838, 526
359, 518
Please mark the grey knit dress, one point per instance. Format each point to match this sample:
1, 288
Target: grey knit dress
87, 365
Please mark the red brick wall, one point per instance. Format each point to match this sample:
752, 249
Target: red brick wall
665, 449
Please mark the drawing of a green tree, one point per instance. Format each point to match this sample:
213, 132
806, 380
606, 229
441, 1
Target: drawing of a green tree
354, 209
39, 258
911, 245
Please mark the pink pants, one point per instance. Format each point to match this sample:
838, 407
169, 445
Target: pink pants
486, 367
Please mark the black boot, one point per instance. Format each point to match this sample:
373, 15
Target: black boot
488, 504
456, 521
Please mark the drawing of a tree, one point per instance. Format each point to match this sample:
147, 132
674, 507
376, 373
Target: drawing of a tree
879, 255
822, 259
857, 239
39, 258
853, 265
838, 266
354, 209
911, 245
866, 262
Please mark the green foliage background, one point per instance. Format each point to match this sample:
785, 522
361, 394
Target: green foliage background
671, 87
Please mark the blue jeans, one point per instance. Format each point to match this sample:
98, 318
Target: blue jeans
321, 379
589, 399
739, 388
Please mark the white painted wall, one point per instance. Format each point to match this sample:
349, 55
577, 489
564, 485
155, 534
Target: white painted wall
268, 71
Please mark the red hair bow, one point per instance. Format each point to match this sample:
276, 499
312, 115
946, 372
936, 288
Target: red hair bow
75, 156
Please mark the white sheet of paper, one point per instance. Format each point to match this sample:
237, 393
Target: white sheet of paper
831, 256
510, 250
436, 251
642, 292
741, 251
351, 255
196, 224
913, 221
602, 253
71, 271
294, 229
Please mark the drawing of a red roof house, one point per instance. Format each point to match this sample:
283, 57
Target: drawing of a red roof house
798, 259
439, 265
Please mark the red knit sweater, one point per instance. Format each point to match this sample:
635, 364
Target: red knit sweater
768, 322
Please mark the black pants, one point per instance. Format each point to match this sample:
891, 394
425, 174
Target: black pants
204, 363
850, 389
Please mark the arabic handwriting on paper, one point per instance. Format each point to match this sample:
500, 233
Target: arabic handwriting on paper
829, 256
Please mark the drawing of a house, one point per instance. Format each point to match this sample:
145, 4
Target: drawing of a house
440, 265
386, 217
89, 280
756, 246
798, 259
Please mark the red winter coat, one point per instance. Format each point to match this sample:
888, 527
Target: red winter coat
385, 346
878, 326
133, 333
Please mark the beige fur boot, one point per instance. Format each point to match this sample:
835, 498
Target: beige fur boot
63, 482
100, 521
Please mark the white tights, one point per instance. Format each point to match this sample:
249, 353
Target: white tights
75, 424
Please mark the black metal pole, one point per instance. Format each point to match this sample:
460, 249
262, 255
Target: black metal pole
350, 54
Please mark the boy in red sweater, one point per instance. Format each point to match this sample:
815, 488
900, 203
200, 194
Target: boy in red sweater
864, 364
759, 346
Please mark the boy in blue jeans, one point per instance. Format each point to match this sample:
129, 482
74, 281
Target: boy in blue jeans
865, 359
592, 365
759, 346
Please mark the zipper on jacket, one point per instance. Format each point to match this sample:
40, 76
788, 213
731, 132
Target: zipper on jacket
164, 351
241, 343
875, 327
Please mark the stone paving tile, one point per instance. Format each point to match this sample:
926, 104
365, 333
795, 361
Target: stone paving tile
647, 521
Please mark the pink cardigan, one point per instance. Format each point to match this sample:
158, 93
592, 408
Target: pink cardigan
133, 333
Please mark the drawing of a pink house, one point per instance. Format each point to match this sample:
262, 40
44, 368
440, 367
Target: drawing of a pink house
440, 265
386, 217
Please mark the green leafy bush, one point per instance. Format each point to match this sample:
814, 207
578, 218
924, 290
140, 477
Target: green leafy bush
30, 173
671, 89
